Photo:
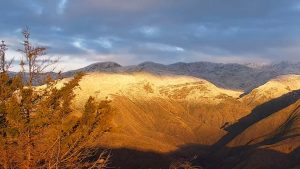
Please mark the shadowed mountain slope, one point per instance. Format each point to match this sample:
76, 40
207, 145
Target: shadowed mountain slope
259, 113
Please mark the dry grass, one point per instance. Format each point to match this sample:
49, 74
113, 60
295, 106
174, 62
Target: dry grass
273, 89
162, 113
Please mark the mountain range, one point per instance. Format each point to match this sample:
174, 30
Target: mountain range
231, 76
217, 116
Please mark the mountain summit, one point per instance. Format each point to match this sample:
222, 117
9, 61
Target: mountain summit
230, 76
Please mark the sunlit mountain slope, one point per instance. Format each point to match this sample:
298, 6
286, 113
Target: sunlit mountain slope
162, 114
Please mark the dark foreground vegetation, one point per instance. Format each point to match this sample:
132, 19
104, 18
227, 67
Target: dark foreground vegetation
38, 127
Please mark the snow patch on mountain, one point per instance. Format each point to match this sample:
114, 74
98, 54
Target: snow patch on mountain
274, 88
230, 76
147, 86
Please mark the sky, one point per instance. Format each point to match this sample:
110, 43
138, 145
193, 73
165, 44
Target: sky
129, 32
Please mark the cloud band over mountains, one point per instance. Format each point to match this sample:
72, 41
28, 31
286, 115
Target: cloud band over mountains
134, 31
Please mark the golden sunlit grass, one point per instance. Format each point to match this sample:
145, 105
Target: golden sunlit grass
273, 89
161, 113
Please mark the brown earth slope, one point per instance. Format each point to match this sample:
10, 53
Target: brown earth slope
158, 119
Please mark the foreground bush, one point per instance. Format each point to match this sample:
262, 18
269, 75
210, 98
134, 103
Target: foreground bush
38, 126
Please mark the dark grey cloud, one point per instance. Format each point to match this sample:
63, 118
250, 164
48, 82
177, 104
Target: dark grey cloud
132, 31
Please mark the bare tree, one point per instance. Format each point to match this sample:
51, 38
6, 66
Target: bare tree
4, 65
34, 60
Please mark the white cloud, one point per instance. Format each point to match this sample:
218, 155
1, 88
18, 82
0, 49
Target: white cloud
201, 29
68, 62
108, 42
104, 43
56, 29
38, 9
163, 47
79, 43
61, 6
149, 31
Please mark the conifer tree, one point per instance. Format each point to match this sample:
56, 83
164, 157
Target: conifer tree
38, 128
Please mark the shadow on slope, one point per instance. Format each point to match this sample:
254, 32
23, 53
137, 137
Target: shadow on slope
259, 113
289, 129
243, 157
126, 158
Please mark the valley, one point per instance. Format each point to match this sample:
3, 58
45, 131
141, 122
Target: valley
164, 118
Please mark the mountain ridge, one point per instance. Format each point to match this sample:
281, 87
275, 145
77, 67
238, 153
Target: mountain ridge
229, 75
159, 113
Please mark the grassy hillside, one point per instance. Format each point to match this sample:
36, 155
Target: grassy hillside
163, 114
